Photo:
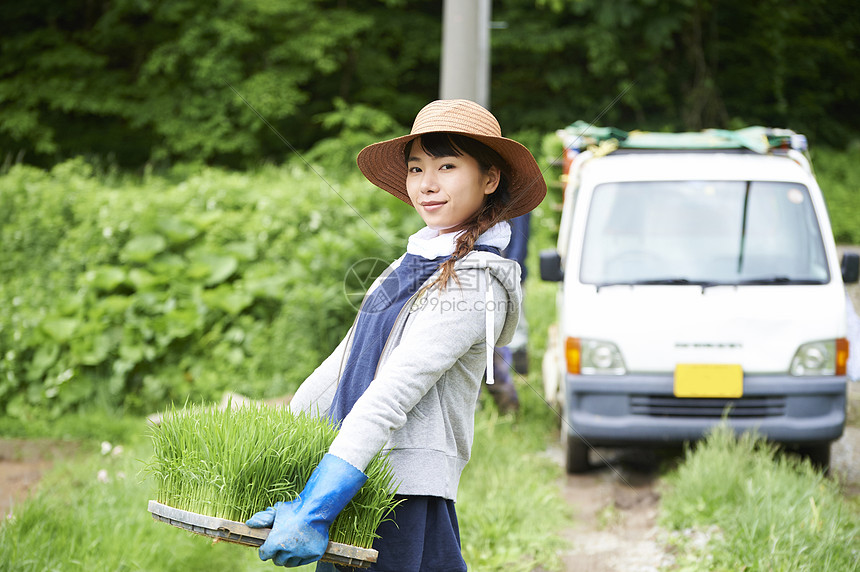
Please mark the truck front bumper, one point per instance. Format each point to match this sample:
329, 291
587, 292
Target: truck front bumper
642, 409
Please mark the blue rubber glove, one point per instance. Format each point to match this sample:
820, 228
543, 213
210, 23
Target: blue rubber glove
300, 528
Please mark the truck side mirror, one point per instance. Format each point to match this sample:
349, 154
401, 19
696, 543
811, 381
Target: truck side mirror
850, 267
550, 266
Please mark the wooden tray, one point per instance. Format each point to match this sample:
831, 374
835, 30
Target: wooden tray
240, 533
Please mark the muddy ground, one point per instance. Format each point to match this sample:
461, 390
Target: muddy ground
22, 464
615, 508
615, 504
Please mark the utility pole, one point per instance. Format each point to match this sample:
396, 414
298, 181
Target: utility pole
466, 50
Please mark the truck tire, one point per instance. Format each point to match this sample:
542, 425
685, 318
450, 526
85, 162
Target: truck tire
575, 455
818, 455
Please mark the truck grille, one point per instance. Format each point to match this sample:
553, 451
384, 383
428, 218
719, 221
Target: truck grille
668, 406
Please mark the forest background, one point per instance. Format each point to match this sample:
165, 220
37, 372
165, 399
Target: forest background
179, 203
149, 82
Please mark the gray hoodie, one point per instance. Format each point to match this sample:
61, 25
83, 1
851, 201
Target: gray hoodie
420, 406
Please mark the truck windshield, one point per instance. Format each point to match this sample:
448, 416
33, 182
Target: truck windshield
702, 232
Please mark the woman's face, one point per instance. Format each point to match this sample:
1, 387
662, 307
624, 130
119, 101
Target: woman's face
447, 191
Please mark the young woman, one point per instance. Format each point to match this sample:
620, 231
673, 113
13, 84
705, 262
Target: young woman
407, 376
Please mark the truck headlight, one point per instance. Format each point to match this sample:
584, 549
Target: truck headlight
593, 357
825, 357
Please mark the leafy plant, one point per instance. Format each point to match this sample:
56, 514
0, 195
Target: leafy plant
141, 82
135, 293
150, 82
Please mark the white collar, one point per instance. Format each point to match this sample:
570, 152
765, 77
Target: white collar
429, 244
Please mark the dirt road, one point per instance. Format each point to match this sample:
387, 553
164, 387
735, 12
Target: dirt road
22, 464
615, 510
615, 504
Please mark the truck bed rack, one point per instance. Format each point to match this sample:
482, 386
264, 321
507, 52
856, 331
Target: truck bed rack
581, 135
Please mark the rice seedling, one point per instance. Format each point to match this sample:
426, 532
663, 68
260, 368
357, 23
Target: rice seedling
231, 463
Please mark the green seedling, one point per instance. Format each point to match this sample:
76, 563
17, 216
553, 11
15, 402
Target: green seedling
231, 463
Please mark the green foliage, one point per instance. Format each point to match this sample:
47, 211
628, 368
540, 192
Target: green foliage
763, 510
839, 177
136, 293
98, 520
141, 81
137, 82
510, 516
93, 425
357, 126
90, 514
688, 65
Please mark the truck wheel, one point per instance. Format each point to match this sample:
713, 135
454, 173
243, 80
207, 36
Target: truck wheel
818, 455
575, 455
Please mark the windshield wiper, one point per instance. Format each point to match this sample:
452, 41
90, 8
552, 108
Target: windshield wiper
661, 282
655, 281
777, 280
744, 227
765, 280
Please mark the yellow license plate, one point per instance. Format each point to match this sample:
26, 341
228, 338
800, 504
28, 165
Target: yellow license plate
708, 380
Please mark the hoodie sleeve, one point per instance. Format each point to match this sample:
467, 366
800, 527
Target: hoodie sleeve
445, 326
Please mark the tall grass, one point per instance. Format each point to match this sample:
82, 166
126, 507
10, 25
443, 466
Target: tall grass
509, 504
763, 510
231, 463
83, 519
90, 514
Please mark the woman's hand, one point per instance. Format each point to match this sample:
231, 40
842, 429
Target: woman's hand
300, 528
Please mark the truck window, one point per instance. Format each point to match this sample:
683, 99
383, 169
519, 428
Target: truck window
720, 232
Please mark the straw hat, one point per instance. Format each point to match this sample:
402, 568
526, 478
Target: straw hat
383, 164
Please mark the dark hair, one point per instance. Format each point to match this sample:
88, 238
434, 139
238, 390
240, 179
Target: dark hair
494, 207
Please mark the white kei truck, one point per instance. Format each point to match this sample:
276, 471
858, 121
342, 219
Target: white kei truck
698, 281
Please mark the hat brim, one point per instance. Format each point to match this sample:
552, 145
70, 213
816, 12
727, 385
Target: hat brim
384, 165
